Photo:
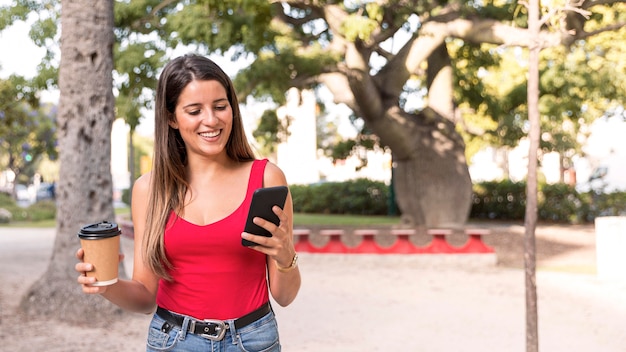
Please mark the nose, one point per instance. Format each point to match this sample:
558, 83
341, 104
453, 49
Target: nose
209, 118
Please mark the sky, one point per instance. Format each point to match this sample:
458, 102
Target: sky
18, 54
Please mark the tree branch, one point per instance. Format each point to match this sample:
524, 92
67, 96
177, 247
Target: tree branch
384, 53
590, 4
609, 28
337, 83
316, 13
139, 23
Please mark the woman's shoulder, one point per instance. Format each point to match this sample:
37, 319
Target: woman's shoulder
273, 175
142, 183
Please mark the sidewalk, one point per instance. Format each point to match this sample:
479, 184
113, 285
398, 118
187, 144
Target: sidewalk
363, 303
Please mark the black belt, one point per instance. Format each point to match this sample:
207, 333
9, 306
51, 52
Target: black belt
209, 328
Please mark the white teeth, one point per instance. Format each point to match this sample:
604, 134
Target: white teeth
210, 134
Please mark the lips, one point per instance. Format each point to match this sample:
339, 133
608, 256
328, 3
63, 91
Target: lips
210, 134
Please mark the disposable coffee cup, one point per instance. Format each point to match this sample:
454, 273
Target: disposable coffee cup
101, 244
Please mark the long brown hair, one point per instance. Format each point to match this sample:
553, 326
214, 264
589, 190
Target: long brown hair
169, 181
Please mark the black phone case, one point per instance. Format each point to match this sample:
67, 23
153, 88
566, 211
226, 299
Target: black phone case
263, 200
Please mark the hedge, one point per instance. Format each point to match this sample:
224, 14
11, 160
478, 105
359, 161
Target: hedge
504, 200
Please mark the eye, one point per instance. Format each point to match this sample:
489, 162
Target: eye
221, 107
194, 112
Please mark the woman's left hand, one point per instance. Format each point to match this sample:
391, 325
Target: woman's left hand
280, 246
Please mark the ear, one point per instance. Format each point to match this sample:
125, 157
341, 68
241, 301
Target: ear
172, 121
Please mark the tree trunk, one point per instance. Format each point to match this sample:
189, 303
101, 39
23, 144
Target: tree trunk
433, 185
131, 163
85, 186
530, 221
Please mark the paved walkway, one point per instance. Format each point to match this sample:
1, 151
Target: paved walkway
372, 303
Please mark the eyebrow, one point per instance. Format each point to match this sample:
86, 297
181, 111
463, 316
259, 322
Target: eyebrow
220, 100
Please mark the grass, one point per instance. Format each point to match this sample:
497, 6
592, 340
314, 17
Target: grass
343, 220
122, 211
36, 224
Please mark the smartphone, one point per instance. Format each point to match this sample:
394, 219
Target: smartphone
263, 199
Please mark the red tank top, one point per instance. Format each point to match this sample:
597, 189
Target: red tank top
213, 275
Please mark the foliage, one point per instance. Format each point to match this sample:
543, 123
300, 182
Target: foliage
43, 210
269, 131
290, 44
5, 216
379, 58
6, 200
137, 62
44, 33
560, 203
473, 93
357, 197
606, 204
126, 196
143, 147
504, 200
493, 200
494, 105
27, 130
557, 202
340, 147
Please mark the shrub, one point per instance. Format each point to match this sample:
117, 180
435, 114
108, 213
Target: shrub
8, 203
6, 200
126, 196
561, 203
504, 200
5, 216
607, 204
43, 210
356, 197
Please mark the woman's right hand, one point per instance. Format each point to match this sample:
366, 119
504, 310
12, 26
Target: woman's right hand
86, 281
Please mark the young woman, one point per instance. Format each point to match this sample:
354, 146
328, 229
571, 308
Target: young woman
210, 292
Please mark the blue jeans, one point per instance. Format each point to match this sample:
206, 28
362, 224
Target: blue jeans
260, 336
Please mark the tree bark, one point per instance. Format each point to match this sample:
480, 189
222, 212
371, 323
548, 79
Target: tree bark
433, 184
131, 163
432, 180
85, 186
530, 221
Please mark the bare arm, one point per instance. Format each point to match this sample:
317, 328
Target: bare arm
139, 293
284, 284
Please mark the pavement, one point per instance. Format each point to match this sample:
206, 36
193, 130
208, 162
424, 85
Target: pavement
368, 303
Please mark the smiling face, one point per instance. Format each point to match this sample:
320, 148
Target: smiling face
204, 118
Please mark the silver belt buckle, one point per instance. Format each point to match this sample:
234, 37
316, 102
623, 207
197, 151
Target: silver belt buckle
220, 329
